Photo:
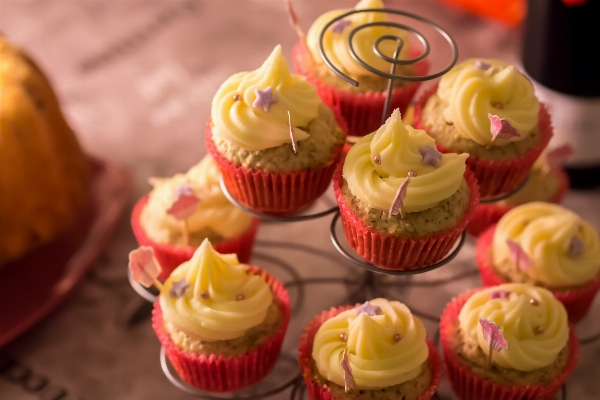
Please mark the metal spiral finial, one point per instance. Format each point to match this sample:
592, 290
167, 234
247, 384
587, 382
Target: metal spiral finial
394, 61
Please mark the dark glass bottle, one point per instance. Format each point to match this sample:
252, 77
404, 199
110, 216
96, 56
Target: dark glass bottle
561, 47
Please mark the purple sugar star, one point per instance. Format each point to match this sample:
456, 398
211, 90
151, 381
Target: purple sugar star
178, 288
501, 128
500, 294
575, 247
339, 26
183, 190
264, 98
482, 65
431, 156
369, 309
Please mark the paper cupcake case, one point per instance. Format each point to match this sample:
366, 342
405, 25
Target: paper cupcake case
576, 301
394, 252
318, 392
361, 111
171, 256
497, 177
216, 373
273, 192
470, 386
489, 214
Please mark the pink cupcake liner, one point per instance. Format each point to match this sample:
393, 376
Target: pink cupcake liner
273, 192
497, 177
394, 252
216, 373
489, 214
362, 111
318, 392
171, 256
576, 301
470, 386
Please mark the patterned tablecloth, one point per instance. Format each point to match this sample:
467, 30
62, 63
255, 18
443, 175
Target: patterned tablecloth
136, 79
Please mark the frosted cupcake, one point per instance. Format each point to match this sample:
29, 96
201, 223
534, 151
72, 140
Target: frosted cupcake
214, 218
487, 108
220, 322
545, 245
276, 142
360, 106
540, 349
546, 182
403, 204
378, 350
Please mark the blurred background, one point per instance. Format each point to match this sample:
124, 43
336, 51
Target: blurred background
135, 80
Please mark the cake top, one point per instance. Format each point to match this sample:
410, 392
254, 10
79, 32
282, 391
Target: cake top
213, 297
384, 345
379, 164
335, 40
549, 243
254, 110
213, 211
533, 323
489, 102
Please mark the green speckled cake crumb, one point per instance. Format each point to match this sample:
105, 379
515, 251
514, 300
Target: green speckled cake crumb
233, 347
313, 152
445, 215
446, 135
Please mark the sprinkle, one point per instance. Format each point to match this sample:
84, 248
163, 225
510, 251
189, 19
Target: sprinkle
343, 337
264, 98
397, 337
518, 255
412, 174
292, 133
498, 105
178, 288
377, 159
575, 247
431, 156
539, 330
500, 294
204, 295
240, 297
349, 383
501, 128
482, 65
534, 302
339, 26
369, 309
236, 97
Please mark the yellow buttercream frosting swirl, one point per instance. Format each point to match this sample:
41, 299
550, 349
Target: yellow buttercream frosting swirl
471, 92
213, 211
239, 121
535, 333
545, 232
376, 358
222, 301
335, 43
397, 148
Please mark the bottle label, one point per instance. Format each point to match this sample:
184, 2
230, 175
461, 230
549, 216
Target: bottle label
576, 121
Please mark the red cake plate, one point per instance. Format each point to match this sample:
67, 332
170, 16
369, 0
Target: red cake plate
32, 286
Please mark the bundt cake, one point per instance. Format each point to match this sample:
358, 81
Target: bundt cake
44, 175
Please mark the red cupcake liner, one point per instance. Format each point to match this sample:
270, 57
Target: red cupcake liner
318, 392
171, 256
362, 111
216, 373
489, 214
470, 386
497, 177
576, 301
394, 252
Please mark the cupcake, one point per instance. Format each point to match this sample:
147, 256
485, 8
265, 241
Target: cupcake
544, 245
221, 323
229, 229
403, 203
276, 143
538, 351
487, 108
360, 106
378, 350
546, 182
